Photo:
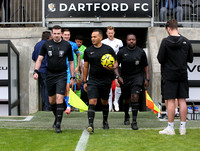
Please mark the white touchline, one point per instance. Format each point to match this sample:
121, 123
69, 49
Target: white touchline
28, 118
82, 141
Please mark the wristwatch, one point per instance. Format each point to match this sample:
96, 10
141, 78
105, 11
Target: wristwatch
35, 71
147, 80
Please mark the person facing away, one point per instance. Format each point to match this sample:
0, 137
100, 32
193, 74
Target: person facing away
100, 78
174, 53
57, 51
116, 44
46, 35
134, 67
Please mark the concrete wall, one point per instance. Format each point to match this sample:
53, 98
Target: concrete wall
155, 36
24, 39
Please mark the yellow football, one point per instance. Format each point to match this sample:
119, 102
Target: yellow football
107, 60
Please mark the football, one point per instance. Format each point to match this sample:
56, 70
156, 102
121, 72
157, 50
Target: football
107, 60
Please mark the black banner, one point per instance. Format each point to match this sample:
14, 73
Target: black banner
100, 8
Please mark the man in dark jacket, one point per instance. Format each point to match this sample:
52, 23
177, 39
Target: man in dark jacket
171, 7
174, 53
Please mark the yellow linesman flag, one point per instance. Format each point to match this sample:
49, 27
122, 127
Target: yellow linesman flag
150, 104
76, 102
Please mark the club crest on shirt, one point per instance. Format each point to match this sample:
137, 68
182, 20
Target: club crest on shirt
137, 62
50, 53
117, 46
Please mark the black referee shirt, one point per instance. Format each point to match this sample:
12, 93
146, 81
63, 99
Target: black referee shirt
132, 61
56, 55
93, 55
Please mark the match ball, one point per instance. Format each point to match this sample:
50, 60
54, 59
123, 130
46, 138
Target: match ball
107, 60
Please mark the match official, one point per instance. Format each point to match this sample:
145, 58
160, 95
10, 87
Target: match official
57, 50
133, 67
100, 78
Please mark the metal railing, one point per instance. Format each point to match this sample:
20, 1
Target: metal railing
186, 12
32, 12
21, 12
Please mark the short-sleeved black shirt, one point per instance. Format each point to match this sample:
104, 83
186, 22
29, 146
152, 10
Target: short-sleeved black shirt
132, 61
56, 55
93, 55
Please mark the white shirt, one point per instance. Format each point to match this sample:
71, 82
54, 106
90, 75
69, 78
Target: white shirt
115, 44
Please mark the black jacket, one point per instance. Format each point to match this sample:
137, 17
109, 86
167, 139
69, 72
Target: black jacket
173, 55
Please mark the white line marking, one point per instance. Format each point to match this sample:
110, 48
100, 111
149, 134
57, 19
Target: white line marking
82, 141
28, 118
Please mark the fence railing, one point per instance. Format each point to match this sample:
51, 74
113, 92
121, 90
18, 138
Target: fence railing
31, 12
21, 12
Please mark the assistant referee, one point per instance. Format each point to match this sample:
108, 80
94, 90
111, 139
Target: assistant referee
57, 50
134, 67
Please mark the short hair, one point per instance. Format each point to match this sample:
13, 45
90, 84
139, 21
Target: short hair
172, 24
56, 27
46, 35
79, 37
129, 35
110, 28
65, 29
99, 31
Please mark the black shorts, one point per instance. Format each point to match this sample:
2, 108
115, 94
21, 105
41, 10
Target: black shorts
175, 89
132, 85
98, 91
56, 83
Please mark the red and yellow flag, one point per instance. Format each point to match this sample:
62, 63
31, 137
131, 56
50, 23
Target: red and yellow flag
150, 104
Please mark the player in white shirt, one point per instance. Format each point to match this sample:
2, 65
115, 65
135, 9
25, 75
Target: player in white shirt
116, 44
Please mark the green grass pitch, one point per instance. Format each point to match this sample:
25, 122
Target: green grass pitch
37, 134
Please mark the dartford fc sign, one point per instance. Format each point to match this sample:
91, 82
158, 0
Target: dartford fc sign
98, 8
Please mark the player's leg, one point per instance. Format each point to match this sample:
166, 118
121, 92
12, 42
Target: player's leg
59, 111
60, 91
183, 115
51, 85
105, 110
52, 101
66, 97
93, 94
110, 100
126, 109
135, 108
104, 95
91, 114
117, 96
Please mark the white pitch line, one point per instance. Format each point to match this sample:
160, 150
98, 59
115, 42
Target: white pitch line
82, 141
28, 118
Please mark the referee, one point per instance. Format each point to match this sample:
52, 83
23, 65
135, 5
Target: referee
57, 50
100, 78
133, 66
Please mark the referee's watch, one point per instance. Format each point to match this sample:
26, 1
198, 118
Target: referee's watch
147, 79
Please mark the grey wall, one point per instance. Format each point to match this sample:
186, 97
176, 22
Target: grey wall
24, 39
155, 36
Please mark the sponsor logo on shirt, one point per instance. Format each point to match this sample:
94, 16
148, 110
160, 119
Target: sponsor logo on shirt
125, 54
91, 53
184, 43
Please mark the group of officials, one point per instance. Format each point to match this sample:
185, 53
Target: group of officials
97, 79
